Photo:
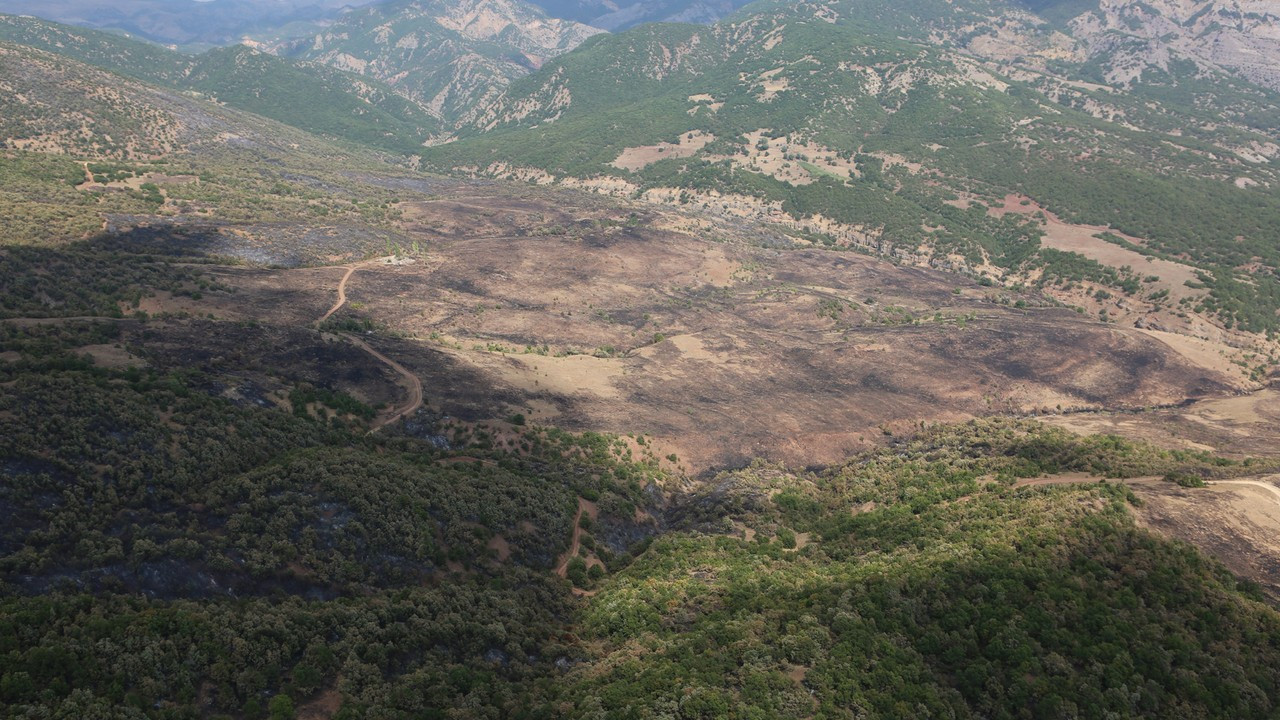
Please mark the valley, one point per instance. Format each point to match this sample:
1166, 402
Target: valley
577, 312
478, 359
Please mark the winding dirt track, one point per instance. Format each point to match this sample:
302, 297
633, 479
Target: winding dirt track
1075, 479
562, 567
412, 381
415, 385
342, 294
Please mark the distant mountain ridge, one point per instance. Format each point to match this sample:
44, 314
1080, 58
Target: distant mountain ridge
448, 56
1121, 40
308, 96
615, 16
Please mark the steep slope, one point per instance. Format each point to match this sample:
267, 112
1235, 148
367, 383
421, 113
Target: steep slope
213, 506
1125, 40
817, 115
83, 149
202, 493
310, 97
239, 557
55, 106
449, 56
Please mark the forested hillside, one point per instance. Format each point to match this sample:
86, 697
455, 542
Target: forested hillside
313, 98
180, 545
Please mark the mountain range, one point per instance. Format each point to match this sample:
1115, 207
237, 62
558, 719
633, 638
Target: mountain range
447, 56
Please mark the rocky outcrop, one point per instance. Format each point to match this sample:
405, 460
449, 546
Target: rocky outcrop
1240, 36
447, 56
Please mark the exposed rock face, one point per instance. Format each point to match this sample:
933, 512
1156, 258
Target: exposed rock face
1129, 38
448, 56
1241, 36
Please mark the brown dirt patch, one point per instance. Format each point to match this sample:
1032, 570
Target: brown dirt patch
638, 158
1237, 522
596, 315
500, 546
1082, 239
1212, 356
1236, 426
324, 706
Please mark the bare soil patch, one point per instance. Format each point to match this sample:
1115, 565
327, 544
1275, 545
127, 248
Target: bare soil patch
324, 706
112, 356
500, 546
638, 158
1082, 239
1232, 425
596, 315
1237, 522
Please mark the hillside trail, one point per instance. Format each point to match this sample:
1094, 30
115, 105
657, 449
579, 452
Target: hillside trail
584, 505
413, 383
342, 295
342, 284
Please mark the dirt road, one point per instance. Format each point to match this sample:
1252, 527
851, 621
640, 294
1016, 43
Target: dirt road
1078, 478
342, 295
415, 385
412, 382
342, 284
584, 506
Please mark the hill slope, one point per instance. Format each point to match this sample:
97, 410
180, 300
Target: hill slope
286, 561
361, 470
310, 97
248, 530
843, 129
448, 56
83, 149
